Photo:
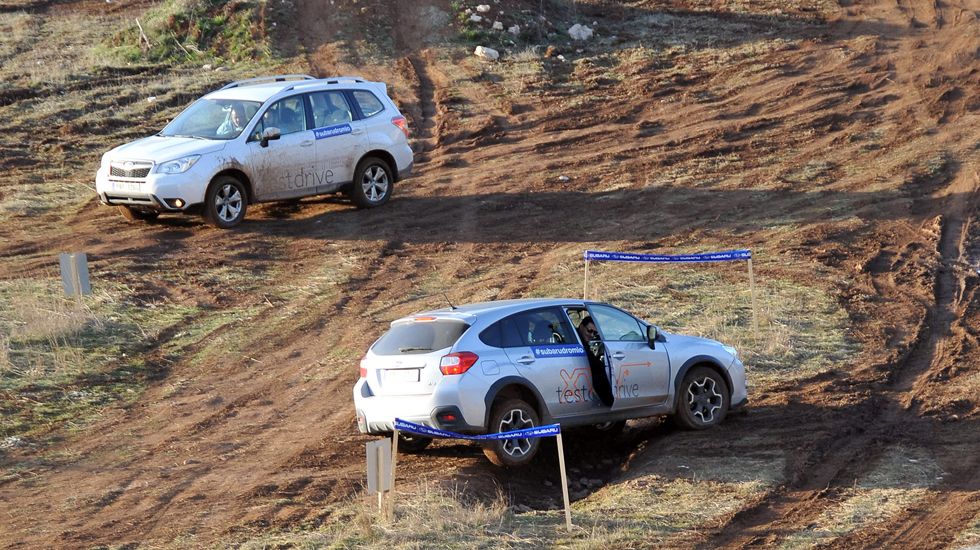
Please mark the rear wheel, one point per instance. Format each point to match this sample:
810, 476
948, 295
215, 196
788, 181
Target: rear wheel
373, 182
411, 443
510, 415
137, 214
702, 400
225, 202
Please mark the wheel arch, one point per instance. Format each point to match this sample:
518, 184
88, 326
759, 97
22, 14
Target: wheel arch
240, 176
385, 156
701, 361
516, 387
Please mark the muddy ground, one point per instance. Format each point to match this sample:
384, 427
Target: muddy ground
267, 437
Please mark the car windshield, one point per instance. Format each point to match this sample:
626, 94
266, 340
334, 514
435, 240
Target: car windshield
212, 119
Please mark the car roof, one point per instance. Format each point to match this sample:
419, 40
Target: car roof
261, 92
499, 307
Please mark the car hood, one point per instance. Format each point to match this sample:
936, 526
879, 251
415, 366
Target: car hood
162, 149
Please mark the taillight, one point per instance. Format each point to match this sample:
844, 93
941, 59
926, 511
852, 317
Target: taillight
363, 367
401, 123
457, 363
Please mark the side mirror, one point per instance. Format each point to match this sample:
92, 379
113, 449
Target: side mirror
652, 336
271, 133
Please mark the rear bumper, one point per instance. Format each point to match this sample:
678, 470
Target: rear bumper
376, 414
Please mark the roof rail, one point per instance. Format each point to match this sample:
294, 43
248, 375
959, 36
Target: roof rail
328, 80
261, 79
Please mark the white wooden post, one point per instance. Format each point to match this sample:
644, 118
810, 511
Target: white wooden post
585, 283
394, 465
564, 483
755, 314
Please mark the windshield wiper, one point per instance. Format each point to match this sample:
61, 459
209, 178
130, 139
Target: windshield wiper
406, 350
183, 136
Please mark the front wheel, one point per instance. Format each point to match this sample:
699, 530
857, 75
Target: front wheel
225, 202
513, 414
373, 182
702, 400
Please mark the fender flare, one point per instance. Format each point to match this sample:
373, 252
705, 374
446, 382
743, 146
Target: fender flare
500, 384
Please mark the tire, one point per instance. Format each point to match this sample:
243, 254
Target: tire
513, 414
137, 215
225, 202
373, 183
702, 400
411, 443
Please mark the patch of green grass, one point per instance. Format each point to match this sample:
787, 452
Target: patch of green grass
62, 360
195, 31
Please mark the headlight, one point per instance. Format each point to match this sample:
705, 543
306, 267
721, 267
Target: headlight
178, 166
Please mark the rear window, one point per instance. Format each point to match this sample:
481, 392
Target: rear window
419, 337
370, 105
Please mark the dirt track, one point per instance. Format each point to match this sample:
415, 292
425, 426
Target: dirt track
223, 452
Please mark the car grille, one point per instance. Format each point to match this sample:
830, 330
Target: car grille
131, 170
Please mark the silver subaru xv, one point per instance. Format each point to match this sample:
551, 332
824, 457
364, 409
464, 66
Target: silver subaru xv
506, 365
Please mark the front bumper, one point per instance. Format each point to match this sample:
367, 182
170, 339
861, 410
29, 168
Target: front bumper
162, 192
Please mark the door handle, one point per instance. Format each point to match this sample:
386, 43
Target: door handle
619, 355
306, 143
357, 131
526, 360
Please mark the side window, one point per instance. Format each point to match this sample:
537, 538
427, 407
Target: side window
369, 104
502, 334
543, 327
330, 109
288, 114
616, 326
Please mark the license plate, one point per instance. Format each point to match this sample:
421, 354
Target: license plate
402, 375
126, 185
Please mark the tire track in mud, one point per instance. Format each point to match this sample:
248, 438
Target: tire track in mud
892, 417
886, 420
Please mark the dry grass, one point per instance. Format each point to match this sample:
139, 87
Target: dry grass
802, 327
667, 505
969, 539
901, 477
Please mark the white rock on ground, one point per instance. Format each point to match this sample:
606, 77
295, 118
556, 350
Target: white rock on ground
515, 30
475, 18
580, 32
483, 8
486, 53
498, 26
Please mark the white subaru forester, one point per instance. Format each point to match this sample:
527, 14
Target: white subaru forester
263, 139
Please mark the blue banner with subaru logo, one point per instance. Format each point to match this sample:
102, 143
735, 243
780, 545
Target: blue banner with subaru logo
538, 431
724, 256
332, 131
557, 350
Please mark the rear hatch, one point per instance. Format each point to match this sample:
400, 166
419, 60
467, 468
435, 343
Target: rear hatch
405, 361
